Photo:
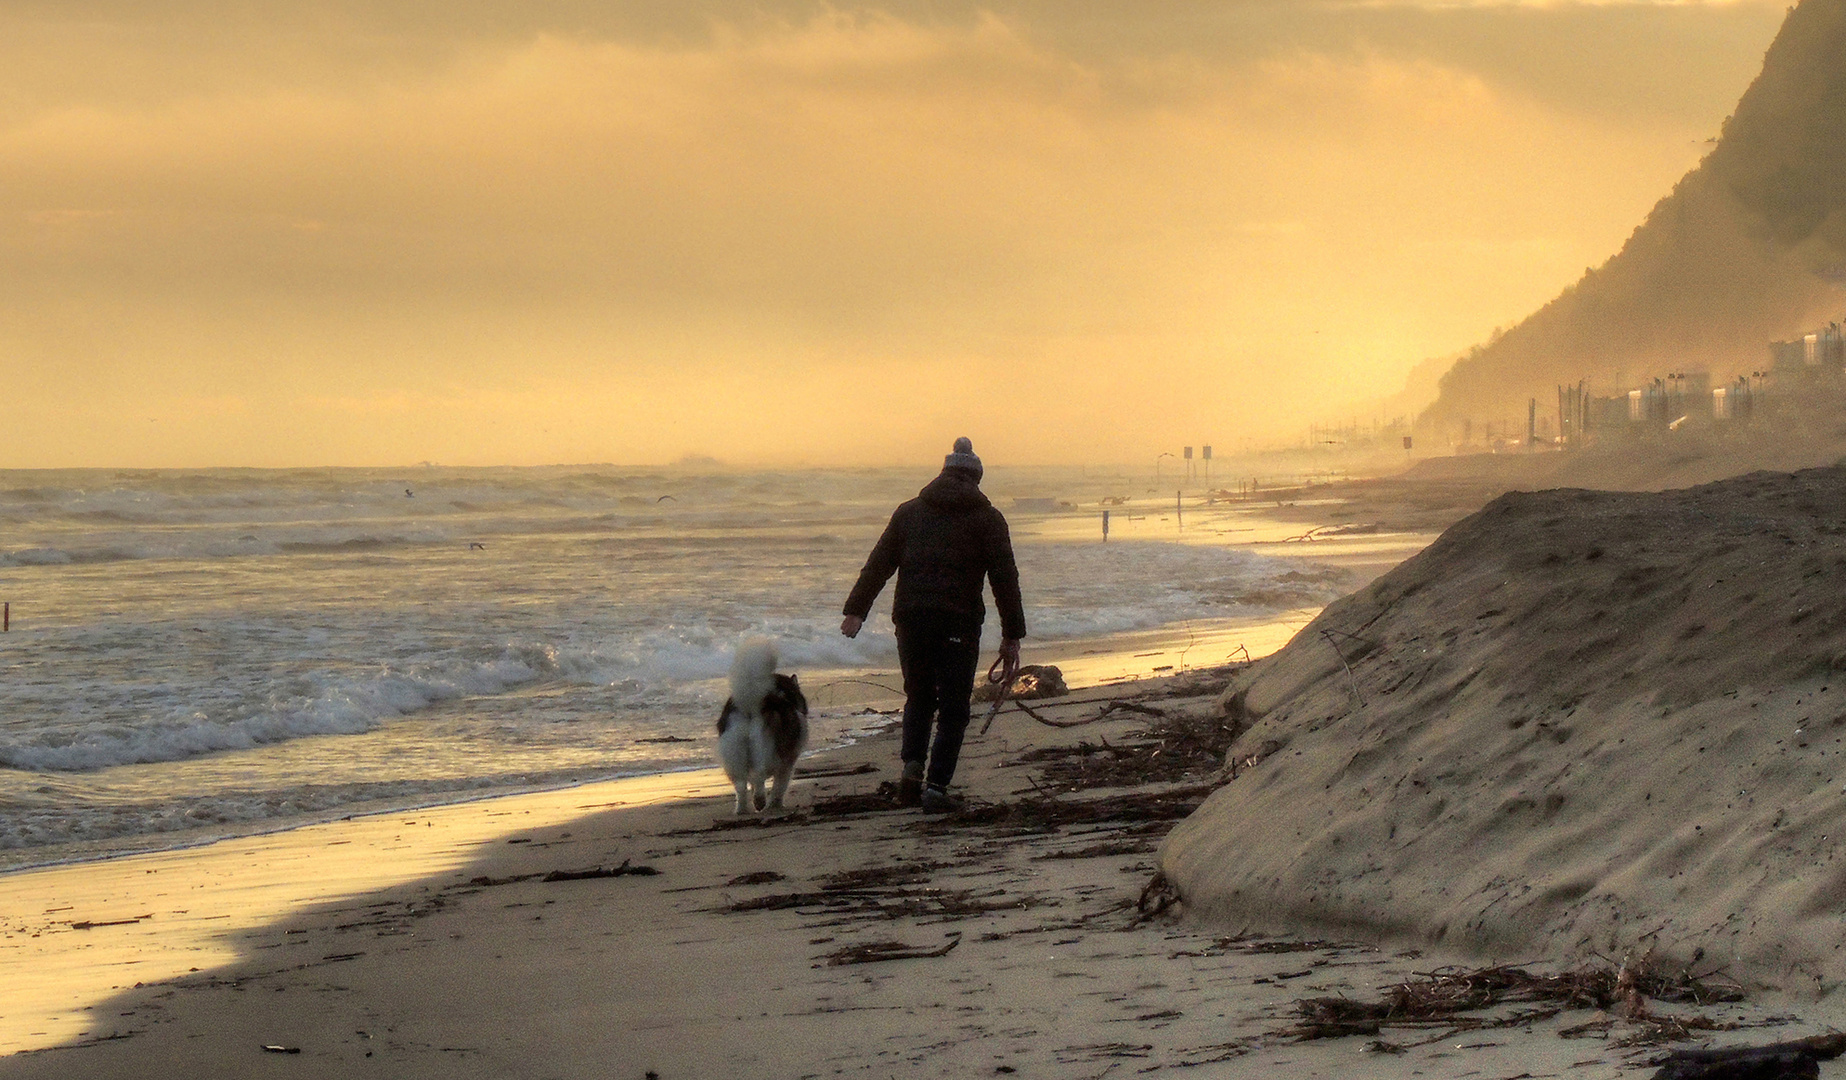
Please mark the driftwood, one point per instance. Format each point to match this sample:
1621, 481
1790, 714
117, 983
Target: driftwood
1129, 706
820, 771
624, 870
1778, 1061
1047, 721
879, 951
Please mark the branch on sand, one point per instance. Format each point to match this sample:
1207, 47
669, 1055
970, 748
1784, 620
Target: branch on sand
627, 869
875, 952
1800, 1058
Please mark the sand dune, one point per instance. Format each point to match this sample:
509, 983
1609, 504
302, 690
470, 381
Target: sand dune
1579, 723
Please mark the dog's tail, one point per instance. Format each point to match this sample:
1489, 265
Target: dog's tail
753, 672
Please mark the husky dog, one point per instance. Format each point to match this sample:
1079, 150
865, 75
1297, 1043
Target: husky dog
763, 727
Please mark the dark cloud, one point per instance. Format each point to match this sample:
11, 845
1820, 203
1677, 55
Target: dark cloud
1630, 60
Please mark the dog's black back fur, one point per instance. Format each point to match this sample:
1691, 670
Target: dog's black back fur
784, 708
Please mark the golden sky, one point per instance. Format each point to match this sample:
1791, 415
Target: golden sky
235, 232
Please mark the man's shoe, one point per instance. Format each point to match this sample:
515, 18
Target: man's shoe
910, 788
938, 801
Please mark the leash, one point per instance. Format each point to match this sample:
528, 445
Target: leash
1002, 673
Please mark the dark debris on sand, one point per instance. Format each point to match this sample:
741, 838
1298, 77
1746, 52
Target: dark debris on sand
1172, 748
1443, 999
1045, 815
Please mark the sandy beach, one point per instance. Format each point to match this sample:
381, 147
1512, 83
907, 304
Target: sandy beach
633, 928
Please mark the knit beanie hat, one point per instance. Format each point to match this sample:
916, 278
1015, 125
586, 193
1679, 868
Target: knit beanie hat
963, 457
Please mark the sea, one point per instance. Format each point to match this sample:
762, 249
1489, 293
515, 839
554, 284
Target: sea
191, 654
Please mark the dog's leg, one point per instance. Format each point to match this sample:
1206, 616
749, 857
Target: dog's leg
745, 805
780, 787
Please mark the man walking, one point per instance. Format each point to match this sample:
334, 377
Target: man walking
941, 545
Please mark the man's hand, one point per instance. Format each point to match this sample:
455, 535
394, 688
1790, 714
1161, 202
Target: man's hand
1009, 651
851, 624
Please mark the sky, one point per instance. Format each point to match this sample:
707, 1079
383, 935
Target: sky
478, 232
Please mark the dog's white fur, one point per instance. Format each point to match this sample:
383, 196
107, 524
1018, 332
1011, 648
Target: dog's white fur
746, 741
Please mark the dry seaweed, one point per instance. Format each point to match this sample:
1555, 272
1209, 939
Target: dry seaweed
779, 901
1051, 814
627, 869
749, 821
1653, 1030
1100, 851
759, 877
874, 877
1157, 896
1444, 997
1176, 747
1256, 946
1073, 1055
872, 802
624, 870
892, 903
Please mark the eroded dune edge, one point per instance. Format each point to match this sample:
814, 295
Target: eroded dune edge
1580, 723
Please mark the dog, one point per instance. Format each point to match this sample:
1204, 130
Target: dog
763, 727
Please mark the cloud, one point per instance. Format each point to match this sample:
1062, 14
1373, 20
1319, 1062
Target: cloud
568, 211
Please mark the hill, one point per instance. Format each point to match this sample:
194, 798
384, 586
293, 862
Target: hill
1749, 247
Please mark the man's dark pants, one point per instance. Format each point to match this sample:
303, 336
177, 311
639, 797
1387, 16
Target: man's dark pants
939, 654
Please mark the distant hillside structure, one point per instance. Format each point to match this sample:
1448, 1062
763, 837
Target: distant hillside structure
1749, 247
1799, 382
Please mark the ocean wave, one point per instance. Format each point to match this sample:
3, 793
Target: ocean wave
129, 547
36, 557
334, 547
308, 706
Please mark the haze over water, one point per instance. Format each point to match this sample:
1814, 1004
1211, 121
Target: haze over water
790, 233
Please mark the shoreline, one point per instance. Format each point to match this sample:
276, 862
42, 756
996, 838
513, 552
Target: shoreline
1115, 658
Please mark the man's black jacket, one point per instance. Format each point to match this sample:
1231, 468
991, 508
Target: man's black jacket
941, 544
